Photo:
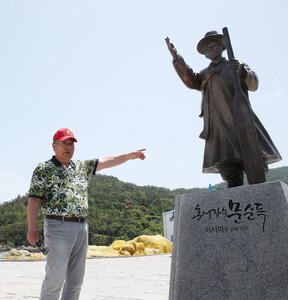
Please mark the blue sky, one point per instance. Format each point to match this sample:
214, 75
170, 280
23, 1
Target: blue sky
102, 69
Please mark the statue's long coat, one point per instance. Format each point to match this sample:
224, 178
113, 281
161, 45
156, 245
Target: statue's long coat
220, 133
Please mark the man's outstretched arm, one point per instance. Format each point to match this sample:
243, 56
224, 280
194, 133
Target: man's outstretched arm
113, 161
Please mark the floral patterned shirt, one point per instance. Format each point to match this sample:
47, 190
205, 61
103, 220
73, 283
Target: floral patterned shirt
63, 191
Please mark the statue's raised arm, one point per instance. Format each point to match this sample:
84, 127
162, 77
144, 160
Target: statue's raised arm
171, 48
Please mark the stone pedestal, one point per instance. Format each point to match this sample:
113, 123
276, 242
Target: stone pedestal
231, 244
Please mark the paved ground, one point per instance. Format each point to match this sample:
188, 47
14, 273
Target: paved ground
113, 278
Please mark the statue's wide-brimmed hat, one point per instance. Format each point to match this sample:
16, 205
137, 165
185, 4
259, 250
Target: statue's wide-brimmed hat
209, 37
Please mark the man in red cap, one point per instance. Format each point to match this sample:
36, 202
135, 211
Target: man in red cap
222, 152
60, 187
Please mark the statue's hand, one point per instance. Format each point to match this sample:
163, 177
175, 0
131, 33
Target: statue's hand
171, 48
233, 64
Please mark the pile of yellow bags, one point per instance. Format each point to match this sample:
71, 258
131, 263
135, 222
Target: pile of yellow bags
141, 245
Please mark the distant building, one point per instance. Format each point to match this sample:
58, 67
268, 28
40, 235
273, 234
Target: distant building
168, 223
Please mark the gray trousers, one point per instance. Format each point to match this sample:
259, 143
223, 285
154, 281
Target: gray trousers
67, 243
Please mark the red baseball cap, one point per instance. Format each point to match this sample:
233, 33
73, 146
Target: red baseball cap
63, 134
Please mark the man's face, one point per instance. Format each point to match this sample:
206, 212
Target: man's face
213, 50
64, 150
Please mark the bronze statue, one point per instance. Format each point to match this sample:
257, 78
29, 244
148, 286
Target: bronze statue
223, 153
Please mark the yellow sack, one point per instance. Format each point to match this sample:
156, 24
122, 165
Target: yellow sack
128, 248
155, 242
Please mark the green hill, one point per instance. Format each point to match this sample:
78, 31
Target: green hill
117, 210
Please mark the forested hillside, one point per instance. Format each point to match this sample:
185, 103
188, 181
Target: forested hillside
117, 210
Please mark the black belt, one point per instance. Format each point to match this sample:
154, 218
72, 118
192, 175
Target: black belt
68, 219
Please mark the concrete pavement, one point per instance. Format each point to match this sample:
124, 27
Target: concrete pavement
112, 278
